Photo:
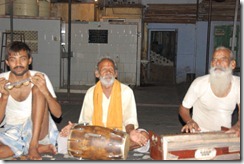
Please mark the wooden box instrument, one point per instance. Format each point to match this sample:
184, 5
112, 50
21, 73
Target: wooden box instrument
195, 146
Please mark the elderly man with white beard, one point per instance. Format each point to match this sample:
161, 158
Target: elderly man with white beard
111, 104
213, 97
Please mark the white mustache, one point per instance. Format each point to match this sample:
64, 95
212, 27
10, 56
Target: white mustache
107, 80
219, 68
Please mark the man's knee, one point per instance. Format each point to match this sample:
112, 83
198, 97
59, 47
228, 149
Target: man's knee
38, 98
35, 90
36, 93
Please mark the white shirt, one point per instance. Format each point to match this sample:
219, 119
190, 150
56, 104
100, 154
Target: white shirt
129, 111
17, 112
209, 111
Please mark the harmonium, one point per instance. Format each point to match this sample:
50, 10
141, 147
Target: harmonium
195, 146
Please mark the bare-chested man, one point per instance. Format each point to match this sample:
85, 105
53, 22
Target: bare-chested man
25, 107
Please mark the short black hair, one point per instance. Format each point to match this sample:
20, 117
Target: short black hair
17, 46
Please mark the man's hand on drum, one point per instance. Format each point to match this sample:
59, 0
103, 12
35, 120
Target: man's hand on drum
66, 130
137, 137
191, 127
234, 129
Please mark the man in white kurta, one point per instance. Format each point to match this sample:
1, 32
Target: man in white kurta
110, 104
211, 112
128, 107
213, 97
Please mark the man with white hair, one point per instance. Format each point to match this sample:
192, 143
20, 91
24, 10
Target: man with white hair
110, 103
213, 97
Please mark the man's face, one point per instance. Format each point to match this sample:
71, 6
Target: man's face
221, 71
107, 73
221, 61
18, 62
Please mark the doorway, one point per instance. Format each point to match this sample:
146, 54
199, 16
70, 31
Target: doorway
162, 56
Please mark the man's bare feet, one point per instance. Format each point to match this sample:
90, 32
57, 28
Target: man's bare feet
34, 154
23, 157
47, 149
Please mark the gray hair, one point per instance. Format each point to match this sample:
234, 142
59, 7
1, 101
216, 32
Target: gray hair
106, 58
227, 49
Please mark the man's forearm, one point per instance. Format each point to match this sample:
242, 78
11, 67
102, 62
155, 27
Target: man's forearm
185, 114
54, 106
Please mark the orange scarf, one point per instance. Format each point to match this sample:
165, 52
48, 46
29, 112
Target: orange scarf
114, 118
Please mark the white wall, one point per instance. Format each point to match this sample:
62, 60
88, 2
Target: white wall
48, 58
201, 46
121, 46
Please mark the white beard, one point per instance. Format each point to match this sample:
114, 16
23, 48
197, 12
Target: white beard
220, 79
107, 80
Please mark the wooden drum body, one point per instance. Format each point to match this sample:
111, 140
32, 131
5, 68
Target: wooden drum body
97, 143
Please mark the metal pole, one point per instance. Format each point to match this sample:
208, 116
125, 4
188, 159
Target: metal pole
11, 20
69, 50
195, 47
234, 27
197, 14
208, 36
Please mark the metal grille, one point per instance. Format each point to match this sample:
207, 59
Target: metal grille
31, 39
